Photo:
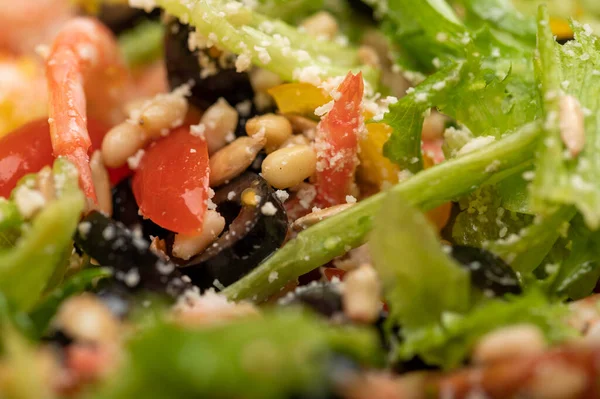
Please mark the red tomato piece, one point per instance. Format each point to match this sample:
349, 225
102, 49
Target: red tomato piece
171, 182
28, 149
337, 143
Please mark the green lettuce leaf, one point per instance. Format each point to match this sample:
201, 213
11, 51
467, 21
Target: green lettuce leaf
450, 341
572, 69
269, 357
420, 280
27, 267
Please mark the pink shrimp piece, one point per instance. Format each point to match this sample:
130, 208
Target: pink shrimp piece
84, 55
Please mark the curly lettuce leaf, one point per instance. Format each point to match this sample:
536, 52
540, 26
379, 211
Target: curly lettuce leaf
420, 280
449, 342
572, 69
270, 357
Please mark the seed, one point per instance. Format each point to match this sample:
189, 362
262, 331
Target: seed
85, 318
276, 129
433, 126
572, 129
262, 79
368, 56
164, 112
186, 246
122, 142
316, 216
321, 24
219, 121
101, 184
509, 343
302, 125
361, 294
288, 167
296, 139
233, 159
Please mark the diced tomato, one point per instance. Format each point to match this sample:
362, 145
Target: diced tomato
337, 143
28, 149
171, 182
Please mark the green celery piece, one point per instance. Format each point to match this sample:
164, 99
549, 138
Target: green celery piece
26, 268
448, 343
333, 237
239, 31
268, 357
47, 307
420, 281
573, 69
525, 251
143, 43
292, 11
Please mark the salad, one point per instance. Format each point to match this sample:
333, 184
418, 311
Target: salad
314, 199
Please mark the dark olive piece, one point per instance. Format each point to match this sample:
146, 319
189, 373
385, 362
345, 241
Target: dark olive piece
254, 231
183, 66
126, 211
111, 244
489, 273
324, 298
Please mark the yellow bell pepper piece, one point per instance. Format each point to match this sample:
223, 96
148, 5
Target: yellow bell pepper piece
298, 98
374, 167
560, 27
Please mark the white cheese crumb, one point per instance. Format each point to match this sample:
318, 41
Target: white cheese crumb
350, 199
29, 201
134, 160
84, 228
268, 209
282, 195
323, 109
230, 195
273, 276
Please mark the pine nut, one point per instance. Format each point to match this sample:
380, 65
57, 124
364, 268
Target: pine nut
368, 56
85, 318
122, 142
317, 216
163, 113
509, 343
302, 125
288, 167
276, 129
186, 246
218, 122
361, 294
572, 129
433, 126
262, 79
321, 24
233, 159
101, 183
296, 139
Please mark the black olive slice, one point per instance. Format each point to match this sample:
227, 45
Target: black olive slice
324, 298
111, 244
257, 226
183, 66
126, 211
489, 273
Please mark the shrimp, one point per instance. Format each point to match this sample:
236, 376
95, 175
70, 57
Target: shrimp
84, 55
